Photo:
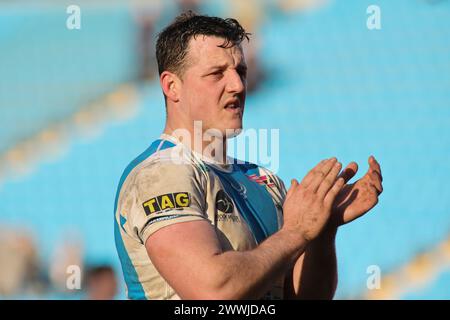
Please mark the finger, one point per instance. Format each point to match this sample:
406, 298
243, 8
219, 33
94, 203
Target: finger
375, 190
329, 180
309, 177
375, 181
349, 172
332, 193
319, 175
375, 166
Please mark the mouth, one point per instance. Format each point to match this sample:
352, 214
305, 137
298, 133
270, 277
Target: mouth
233, 105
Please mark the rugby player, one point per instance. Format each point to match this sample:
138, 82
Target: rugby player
197, 225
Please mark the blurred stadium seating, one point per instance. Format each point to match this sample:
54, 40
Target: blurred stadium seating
332, 87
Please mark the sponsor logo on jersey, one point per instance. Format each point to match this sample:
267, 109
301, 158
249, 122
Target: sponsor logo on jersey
178, 200
223, 202
262, 180
225, 208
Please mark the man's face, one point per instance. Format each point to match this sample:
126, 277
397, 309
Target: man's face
214, 84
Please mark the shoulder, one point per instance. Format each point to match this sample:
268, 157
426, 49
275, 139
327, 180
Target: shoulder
162, 166
163, 188
163, 162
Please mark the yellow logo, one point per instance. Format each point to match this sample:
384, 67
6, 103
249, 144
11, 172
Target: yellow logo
167, 201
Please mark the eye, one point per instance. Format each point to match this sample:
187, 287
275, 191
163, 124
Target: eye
217, 74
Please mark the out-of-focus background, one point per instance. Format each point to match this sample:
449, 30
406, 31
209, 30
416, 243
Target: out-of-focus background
76, 105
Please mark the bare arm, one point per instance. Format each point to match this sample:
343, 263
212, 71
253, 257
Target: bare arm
189, 256
314, 275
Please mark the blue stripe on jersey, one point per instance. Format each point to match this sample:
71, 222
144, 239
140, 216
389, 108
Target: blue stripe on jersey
257, 208
135, 289
122, 222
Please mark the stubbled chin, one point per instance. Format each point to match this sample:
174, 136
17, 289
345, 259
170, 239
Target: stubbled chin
233, 128
233, 133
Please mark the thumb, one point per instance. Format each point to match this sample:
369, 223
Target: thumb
294, 184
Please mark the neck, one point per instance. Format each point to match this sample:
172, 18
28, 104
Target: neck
198, 140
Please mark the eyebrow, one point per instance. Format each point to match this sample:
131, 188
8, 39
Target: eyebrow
218, 67
240, 66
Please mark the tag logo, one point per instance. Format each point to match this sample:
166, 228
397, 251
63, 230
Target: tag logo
167, 201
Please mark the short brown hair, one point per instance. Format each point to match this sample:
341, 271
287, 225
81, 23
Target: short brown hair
173, 41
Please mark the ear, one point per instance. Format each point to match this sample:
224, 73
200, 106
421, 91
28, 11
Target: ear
170, 84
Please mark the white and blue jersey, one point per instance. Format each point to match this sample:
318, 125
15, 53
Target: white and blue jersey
168, 183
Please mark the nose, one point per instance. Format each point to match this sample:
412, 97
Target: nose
236, 84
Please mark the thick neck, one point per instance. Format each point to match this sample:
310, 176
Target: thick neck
198, 140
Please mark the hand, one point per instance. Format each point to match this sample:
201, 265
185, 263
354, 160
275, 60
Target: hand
307, 207
355, 199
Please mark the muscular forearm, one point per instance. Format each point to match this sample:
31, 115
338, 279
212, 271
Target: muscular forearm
314, 275
250, 274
